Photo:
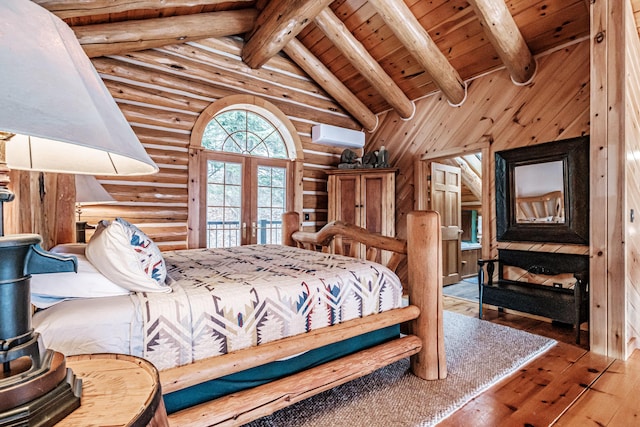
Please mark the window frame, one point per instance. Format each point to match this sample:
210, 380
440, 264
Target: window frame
198, 157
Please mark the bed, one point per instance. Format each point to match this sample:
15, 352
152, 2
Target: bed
317, 351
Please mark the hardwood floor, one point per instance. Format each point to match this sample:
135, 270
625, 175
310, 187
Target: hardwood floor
567, 386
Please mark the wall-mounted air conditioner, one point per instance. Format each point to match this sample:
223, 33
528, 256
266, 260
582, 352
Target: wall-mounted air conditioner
337, 136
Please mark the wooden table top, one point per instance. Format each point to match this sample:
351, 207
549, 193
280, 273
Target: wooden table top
116, 390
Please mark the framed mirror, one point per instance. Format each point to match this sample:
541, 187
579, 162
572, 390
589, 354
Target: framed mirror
542, 192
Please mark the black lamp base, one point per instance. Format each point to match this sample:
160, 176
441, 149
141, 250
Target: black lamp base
36, 387
55, 398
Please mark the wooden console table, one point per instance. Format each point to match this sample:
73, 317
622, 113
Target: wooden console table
117, 390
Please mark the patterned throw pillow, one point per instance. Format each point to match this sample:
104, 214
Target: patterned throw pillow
128, 257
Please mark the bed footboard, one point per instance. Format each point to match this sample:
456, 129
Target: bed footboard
244, 406
423, 251
424, 344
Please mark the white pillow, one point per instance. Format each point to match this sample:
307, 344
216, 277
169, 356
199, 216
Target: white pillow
69, 249
127, 256
50, 288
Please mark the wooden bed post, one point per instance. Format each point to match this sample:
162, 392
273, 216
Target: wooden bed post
290, 224
424, 261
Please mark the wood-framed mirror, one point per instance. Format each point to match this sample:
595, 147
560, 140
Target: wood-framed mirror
542, 192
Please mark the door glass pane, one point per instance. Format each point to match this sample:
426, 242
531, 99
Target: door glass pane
270, 204
224, 204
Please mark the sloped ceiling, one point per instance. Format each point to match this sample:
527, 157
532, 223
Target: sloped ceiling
371, 56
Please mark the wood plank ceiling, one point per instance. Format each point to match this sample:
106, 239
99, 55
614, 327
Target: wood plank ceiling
370, 56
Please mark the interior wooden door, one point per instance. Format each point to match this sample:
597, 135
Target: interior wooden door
445, 198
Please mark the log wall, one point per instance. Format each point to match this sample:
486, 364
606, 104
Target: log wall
161, 93
43, 204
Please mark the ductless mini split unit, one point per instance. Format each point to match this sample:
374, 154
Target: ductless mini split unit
337, 136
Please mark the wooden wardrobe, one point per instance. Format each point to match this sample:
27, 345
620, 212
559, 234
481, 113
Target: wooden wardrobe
364, 197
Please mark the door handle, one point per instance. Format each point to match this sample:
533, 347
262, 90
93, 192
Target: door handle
244, 230
253, 229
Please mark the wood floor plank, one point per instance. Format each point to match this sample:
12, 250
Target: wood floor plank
612, 400
496, 405
556, 387
546, 406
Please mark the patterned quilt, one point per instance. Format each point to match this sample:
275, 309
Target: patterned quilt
228, 299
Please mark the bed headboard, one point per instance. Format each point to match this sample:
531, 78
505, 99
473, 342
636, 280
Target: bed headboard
332, 238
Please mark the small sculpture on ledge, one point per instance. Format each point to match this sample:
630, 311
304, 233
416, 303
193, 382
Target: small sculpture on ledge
382, 158
370, 160
348, 160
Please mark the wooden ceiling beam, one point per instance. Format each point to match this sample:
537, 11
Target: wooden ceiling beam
362, 61
397, 15
329, 82
474, 163
121, 37
76, 8
278, 23
506, 38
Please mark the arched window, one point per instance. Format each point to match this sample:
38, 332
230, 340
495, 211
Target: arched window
246, 132
245, 173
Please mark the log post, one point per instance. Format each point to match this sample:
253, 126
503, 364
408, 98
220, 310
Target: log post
361, 59
120, 37
329, 82
290, 224
397, 15
424, 259
505, 36
6, 195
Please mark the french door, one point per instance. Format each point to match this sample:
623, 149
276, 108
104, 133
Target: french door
244, 199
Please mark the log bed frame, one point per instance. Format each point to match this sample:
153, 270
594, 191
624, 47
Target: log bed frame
424, 343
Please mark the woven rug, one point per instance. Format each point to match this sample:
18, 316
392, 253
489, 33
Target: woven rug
479, 354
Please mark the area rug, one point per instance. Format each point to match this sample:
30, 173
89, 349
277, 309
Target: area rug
479, 354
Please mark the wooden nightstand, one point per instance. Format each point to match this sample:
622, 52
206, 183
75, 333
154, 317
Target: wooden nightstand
117, 390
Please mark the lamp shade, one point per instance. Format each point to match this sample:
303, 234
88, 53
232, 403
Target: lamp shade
53, 99
89, 190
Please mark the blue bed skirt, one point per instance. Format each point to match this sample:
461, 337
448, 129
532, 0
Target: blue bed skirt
253, 377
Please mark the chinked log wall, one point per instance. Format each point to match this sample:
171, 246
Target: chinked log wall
161, 93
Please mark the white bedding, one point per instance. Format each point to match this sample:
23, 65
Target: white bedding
92, 325
285, 291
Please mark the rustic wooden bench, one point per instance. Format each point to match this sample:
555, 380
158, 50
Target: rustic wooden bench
555, 301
